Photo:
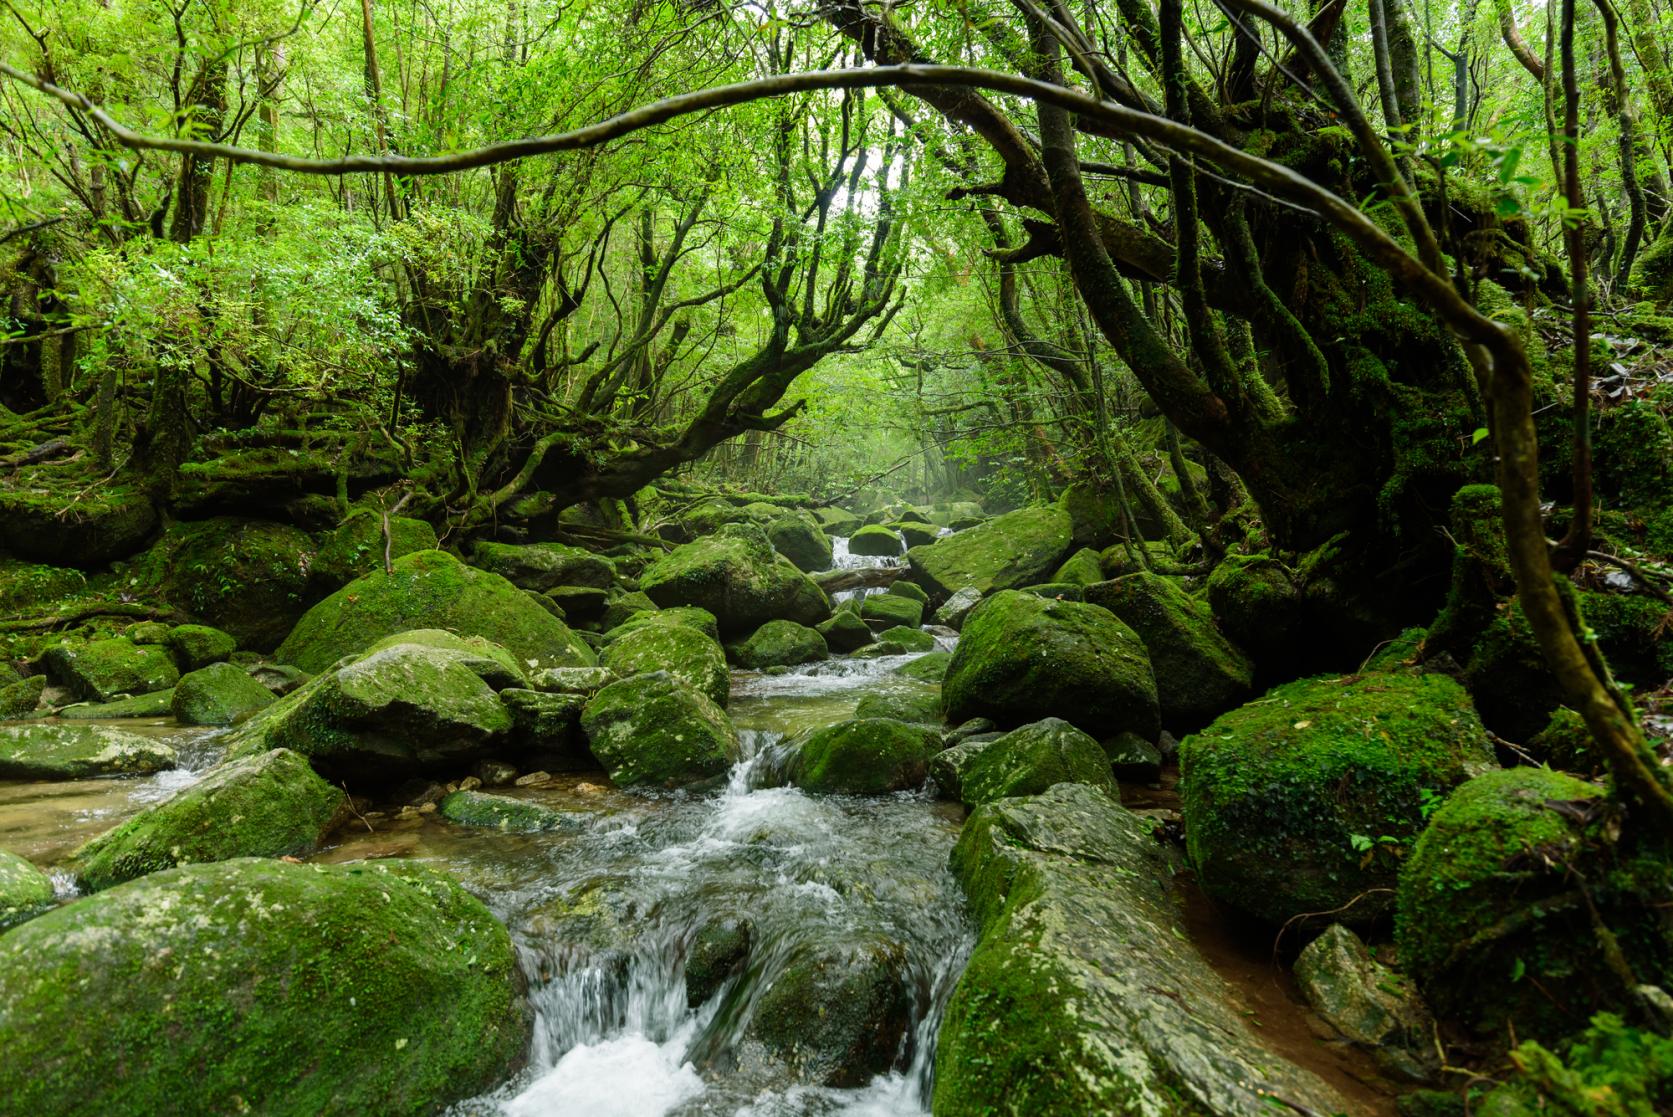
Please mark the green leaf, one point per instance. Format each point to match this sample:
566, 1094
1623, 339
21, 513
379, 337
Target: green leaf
1477, 435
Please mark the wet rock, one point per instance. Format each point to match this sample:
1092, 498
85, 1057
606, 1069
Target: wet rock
956, 608
886, 610
947, 768
1023, 658
1017, 549
586, 681
837, 1013
931, 667
919, 704
246, 577
1028, 760
655, 730
1133, 758
967, 729
25, 891
271, 805
431, 589
718, 951
495, 773
219, 694
198, 645
40, 751
737, 576
682, 651
157, 704
357, 546
1304, 800
875, 540
20, 698
1371, 1005
866, 757
546, 723
801, 541
544, 566
908, 589
1084, 993
177, 976
845, 631
1199, 674
105, 669
899, 640
501, 812
279, 678
779, 644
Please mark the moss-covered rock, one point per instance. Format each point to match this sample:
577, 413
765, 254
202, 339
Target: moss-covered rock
689, 615
44, 751
837, 1013
737, 576
1566, 744
624, 607
483, 658
885, 610
1372, 1006
844, 632
931, 667
25, 891
1022, 658
915, 532
838, 521
19, 699
1306, 800
270, 805
586, 681
1634, 455
911, 702
899, 640
544, 566
549, 725
801, 541
909, 589
370, 987
1017, 549
866, 757
157, 704
246, 577
1084, 993
198, 645
1028, 760
28, 588
1199, 674
1082, 568
501, 812
1095, 512
682, 651
953, 611
1506, 674
779, 644
877, 540
1492, 920
104, 522
1634, 634
1258, 605
655, 730
947, 767
431, 589
101, 670
219, 694
357, 546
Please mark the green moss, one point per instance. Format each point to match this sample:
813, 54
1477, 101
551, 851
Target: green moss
682, 651
544, 566
198, 645
19, 699
737, 576
247, 577
271, 805
1633, 448
914, 703
431, 589
874, 539
1027, 761
845, 631
45, 751
105, 669
898, 640
301, 989
357, 546
1082, 568
80, 519
219, 694
889, 609
654, 730
1609, 1070
689, 615
25, 891
1017, 549
930, 667
867, 757
1635, 635
1404, 650
838, 1012
908, 589
501, 812
779, 644
1307, 799
1566, 744
800, 540
28, 589
157, 704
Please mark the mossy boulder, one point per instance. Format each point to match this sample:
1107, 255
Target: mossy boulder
19, 699
947, 767
219, 694
1492, 920
1634, 455
1306, 800
916, 532
838, 521
779, 644
1259, 606
198, 645
1028, 760
44, 751
246, 577
101, 670
1566, 744
431, 589
875, 540
1080, 569
838, 1012
1372, 1006
1634, 634
688, 615
27, 588
678, 649
899, 640
544, 566
157, 704
624, 607
1095, 512
501, 812
655, 730
1084, 993
357, 546
869, 756
737, 576
801, 541
1017, 549
547, 726
1199, 674
1023, 658
953, 611
105, 522
931, 667
917, 703
844, 632
370, 987
25, 891
586, 681
269, 805
885, 610
1506, 674
485, 659
909, 589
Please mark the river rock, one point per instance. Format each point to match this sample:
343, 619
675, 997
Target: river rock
1017, 549
43, 751
779, 644
501, 812
20, 698
101, 670
1371, 1005
1022, 658
25, 891
198, 645
870, 756
191, 989
1304, 800
586, 681
655, 730
912, 702
838, 521
431, 589
899, 640
678, 649
1084, 993
736, 575
916, 532
1083, 568
1028, 760
845, 631
931, 667
357, 546
270, 805
885, 610
875, 540
1199, 674
837, 1012
157, 704
544, 566
956, 608
548, 724
947, 767
219, 694
801, 541
909, 589
688, 615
